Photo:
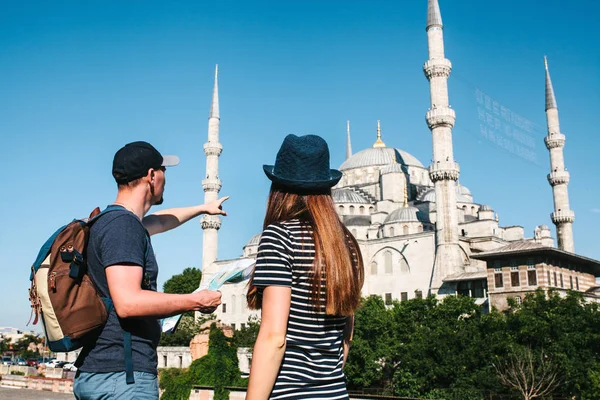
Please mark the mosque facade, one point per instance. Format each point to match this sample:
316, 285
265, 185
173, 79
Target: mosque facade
420, 231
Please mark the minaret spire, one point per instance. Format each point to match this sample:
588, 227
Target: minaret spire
434, 17
214, 105
550, 99
558, 178
211, 185
444, 171
378, 143
348, 143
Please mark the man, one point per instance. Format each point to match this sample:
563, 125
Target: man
122, 363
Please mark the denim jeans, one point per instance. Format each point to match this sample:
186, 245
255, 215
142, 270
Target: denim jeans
112, 385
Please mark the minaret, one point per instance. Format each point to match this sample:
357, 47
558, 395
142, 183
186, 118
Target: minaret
212, 183
444, 171
348, 143
558, 177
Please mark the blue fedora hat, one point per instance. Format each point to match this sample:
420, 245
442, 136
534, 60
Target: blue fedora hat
303, 163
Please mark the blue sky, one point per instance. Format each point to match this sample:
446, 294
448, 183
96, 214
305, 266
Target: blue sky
80, 79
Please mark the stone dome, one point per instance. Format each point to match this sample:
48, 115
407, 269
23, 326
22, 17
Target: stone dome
463, 190
254, 240
485, 207
429, 196
403, 214
544, 227
380, 156
345, 195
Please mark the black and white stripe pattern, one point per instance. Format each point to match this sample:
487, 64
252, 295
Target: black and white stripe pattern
312, 364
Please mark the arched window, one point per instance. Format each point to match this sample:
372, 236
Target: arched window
420, 229
374, 268
391, 231
404, 266
351, 210
405, 229
362, 210
387, 262
473, 212
233, 299
341, 208
465, 210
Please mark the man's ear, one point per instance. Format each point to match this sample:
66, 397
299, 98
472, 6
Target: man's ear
150, 175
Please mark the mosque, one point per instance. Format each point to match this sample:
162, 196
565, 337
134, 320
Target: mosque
419, 230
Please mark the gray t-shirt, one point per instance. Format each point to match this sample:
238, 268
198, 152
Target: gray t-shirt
119, 237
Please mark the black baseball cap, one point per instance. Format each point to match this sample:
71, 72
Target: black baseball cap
134, 160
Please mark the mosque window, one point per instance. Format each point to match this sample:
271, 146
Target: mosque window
403, 296
391, 231
387, 257
418, 294
514, 278
165, 358
243, 326
405, 230
555, 279
233, 326
180, 361
532, 276
341, 208
371, 209
420, 228
362, 210
388, 299
498, 278
549, 279
518, 300
577, 282
571, 279
224, 308
374, 268
473, 212
351, 210
562, 283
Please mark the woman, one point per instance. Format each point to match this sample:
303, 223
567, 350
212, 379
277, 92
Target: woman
307, 280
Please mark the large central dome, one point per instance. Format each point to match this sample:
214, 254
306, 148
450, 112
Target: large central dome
380, 156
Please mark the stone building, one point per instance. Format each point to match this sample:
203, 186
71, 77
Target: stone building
420, 231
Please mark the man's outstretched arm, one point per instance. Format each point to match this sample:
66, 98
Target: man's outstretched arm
164, 220
130, 300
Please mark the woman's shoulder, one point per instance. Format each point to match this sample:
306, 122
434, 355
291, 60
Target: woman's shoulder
291, 230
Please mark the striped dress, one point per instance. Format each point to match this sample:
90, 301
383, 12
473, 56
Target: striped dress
312, 364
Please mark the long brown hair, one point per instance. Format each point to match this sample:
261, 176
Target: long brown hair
338, 262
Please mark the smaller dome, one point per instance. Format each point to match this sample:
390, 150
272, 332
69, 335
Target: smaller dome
391, 168
544, 227
463, 190
345, 195
485, 207
404, 214
254, 240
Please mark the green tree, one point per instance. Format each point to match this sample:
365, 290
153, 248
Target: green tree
183, 283
4, 345
186, 330
219, 369
246, 337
